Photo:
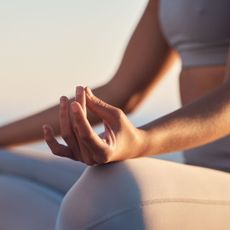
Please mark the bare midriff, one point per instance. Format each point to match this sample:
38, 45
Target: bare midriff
196, 82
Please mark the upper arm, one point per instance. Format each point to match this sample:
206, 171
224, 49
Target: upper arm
227, 72
145, 54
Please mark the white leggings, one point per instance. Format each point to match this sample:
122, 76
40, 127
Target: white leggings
32, 189
140, 194
148, 194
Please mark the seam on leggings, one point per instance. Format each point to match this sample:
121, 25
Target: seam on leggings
157, 201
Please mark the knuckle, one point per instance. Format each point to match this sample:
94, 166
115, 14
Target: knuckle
118, 113
100, 102
102, 158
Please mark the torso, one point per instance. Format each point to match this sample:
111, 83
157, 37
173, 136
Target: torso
197, 82
200, 32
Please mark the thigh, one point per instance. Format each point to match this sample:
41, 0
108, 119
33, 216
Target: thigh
25, 205
149, 194
51, 171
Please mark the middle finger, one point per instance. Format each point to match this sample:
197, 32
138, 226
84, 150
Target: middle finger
66, 128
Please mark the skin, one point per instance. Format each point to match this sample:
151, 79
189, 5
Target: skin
201, 122
76, 121
82, 143
198, 82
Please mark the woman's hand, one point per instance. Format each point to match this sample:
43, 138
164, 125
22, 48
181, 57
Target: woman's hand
120, 141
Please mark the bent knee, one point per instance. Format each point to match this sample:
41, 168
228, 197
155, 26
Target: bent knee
101, 192
127, 191
106, 191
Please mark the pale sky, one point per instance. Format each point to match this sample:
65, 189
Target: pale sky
47, 47
54, 45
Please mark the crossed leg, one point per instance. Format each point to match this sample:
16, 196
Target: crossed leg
32, 188
148, 194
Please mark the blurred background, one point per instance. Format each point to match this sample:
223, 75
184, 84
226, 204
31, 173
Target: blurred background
48, 47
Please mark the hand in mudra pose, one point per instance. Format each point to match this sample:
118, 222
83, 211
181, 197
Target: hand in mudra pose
197, 123
120, 140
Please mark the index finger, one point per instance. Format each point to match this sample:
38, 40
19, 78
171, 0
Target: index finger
80, 97
82, 126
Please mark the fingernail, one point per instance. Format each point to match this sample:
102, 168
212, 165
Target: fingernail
79, 90
88, 91
63, 100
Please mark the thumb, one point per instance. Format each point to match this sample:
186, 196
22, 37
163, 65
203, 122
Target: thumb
105, 111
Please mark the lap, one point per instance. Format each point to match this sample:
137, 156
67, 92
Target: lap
26, 205
147, 193
32, 188
51, 171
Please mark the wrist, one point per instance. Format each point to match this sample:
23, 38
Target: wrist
151, 141
145, 143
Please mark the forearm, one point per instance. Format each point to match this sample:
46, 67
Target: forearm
30, 128
193, 125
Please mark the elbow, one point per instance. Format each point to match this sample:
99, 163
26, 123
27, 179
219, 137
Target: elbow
132, 103
127, 99
129, 108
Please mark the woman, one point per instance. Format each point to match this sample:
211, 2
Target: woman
199, 202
